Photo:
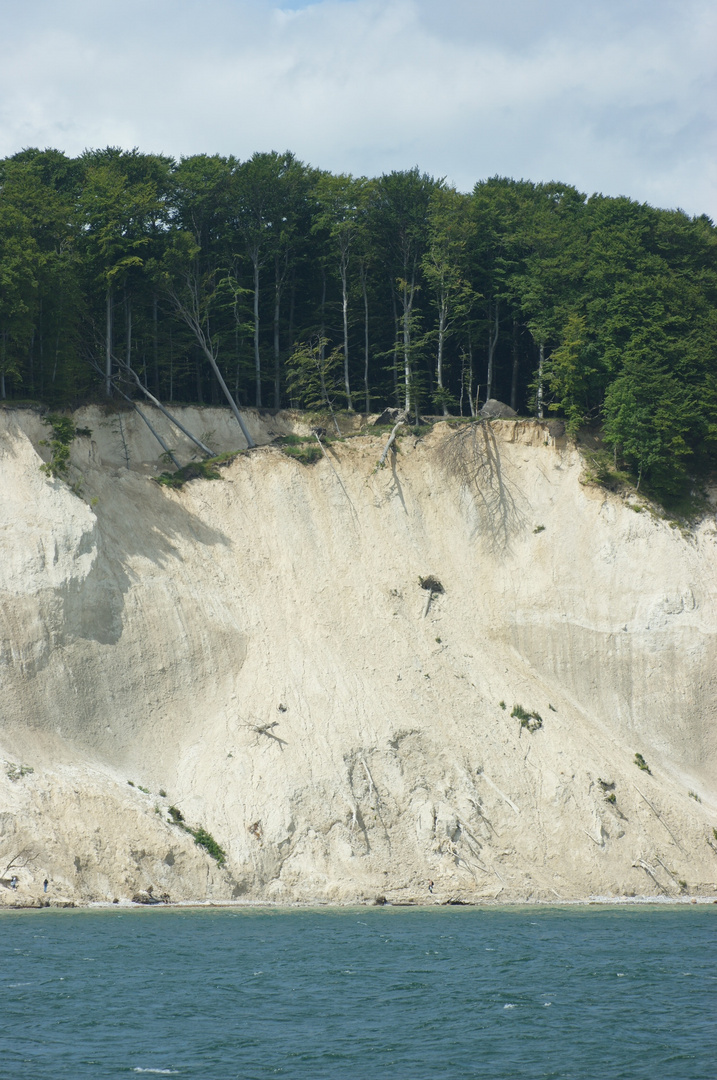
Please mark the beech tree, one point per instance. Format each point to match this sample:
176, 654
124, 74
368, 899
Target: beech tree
203, 273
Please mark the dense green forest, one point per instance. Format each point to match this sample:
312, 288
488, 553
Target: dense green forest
294, 286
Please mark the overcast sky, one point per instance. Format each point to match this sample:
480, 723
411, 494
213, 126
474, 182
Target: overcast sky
618, 96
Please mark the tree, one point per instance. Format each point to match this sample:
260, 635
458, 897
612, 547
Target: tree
399, 215
19, 265
191, 294
120, 202
270, 192
444, 265
312, 374
340, 200
648, 417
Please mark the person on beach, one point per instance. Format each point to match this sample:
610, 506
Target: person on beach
430, 886
44, 885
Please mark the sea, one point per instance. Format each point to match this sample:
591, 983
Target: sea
535, 993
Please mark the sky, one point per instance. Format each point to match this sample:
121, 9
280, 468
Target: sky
615, 97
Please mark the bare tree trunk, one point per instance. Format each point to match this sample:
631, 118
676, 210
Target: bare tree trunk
257, 357
193, 321
108, 342
407, 346
516, 369
345, 312
395, 347
473, 405
382, 460
128, 305
42, 351
158, 404
277, 367
156, 434
442, 314
171, 366
539, 396
31, 358
155, 347
492, 342
365, 338
292, 307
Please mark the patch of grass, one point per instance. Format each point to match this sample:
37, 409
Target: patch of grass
162, 793
131, 783
305, 455
529, 720
694, 795
144, 789
539, 529
502, 705
197, 470
204, 839
683, 885
642, 764
611, 798
16, 772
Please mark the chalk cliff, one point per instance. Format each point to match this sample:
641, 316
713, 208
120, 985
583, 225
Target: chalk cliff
260, 648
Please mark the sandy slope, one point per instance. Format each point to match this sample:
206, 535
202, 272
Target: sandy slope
259, 648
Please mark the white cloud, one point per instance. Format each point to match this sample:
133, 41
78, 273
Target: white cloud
612, 97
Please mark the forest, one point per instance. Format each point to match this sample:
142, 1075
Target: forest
276, 284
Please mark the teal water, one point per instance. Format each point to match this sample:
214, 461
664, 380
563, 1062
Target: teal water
365, 994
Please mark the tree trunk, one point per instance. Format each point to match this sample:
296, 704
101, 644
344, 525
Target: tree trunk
442, 314
192, 319
277, 362
492, 342
108, 342
171, 366
31, 358
128, 353
158, 404
407, 346
345, 312
516, 369
539, 395
292, 308
155, 347
365, 339
473, 402
257, 358
395, 347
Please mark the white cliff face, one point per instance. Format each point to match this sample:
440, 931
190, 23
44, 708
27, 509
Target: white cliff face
260, 648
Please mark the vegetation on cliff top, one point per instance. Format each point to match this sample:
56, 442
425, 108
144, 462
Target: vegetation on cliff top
271, 282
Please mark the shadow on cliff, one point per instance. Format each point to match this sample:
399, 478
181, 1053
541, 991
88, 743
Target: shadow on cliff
135, 519
471, 455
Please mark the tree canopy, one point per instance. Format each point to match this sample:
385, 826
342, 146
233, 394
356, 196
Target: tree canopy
212, 277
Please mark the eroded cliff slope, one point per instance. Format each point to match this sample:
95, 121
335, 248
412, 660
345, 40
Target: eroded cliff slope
260, 649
